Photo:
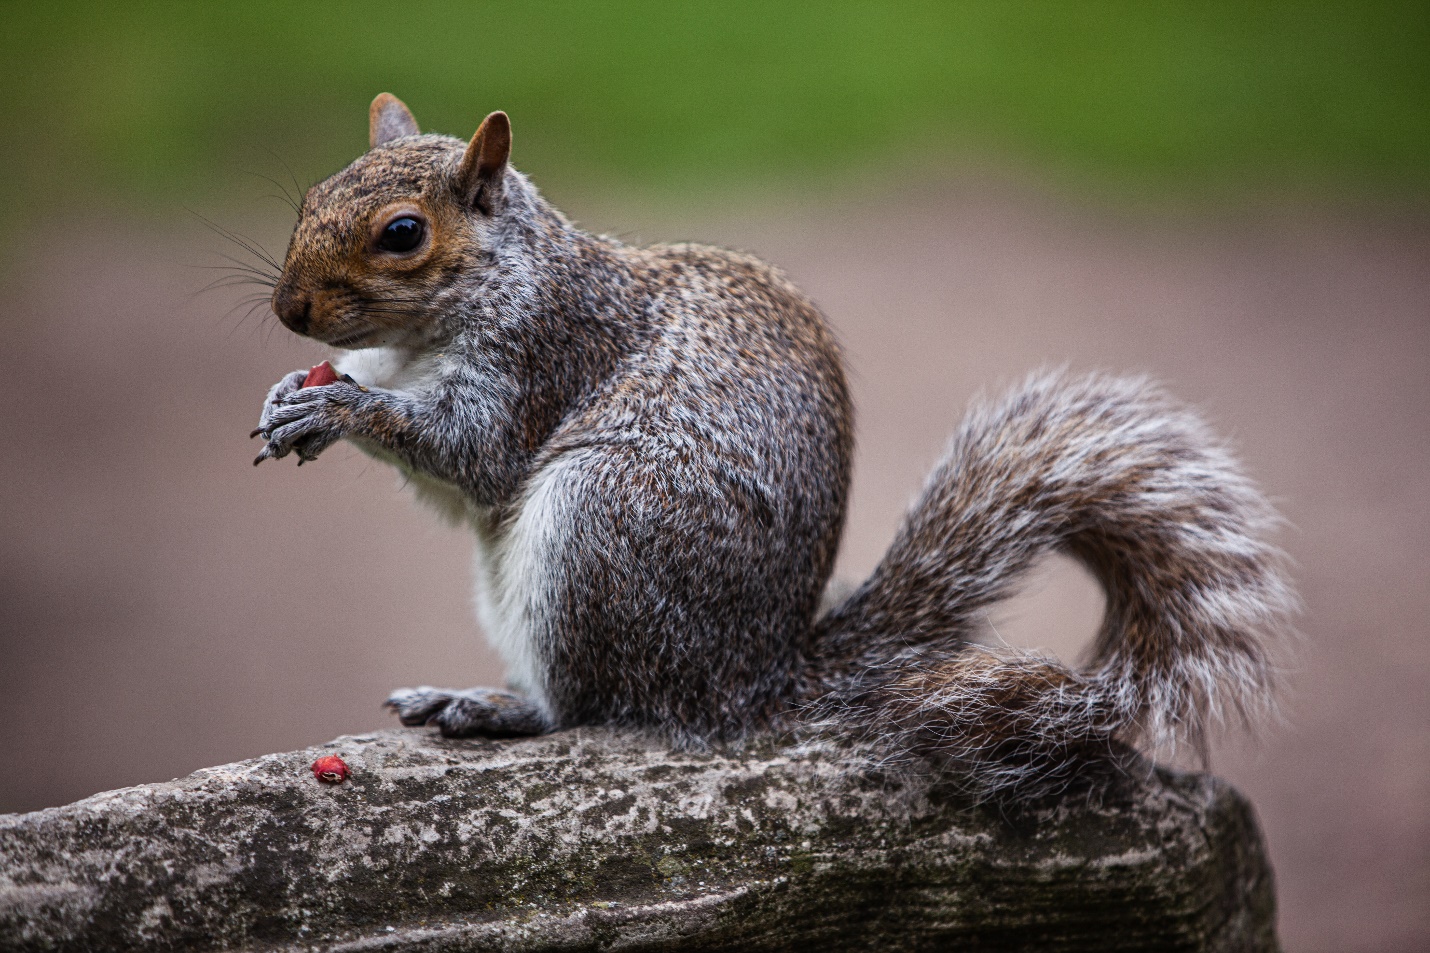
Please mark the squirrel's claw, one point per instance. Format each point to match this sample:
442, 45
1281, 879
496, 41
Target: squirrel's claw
415, 707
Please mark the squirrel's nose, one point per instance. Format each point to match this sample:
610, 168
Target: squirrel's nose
293, 309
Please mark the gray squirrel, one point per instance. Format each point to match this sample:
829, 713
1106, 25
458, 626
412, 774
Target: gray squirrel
652, 447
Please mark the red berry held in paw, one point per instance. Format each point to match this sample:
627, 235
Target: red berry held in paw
321, 374
330, 769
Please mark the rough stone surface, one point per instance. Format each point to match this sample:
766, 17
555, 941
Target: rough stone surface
591, 840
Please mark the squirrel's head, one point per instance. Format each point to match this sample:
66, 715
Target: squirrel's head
380, 244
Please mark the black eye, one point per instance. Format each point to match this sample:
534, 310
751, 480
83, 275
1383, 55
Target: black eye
401, 234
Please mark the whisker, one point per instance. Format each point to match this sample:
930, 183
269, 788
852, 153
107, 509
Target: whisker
287, 198
289, 169
243, 269
252, 301
236, 280
249, 307
232, 281
244, 319
228, 267
248, 245
281, 198
275, 273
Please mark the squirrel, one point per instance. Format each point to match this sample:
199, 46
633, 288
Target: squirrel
652, 446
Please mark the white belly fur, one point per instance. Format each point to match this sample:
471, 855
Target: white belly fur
397, 369
390, 367
514, 582
516, 576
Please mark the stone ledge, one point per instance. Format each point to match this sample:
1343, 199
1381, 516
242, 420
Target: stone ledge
592, 839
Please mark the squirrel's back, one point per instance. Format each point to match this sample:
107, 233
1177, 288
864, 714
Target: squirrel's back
711, 472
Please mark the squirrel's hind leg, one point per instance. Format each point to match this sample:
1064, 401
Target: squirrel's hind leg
475, 711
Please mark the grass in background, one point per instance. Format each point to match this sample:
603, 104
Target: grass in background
160, 102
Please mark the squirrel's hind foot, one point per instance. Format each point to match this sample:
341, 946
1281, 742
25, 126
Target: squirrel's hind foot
485, 712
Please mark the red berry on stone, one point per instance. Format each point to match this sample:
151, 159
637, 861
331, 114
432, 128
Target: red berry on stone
330, 769
320, 374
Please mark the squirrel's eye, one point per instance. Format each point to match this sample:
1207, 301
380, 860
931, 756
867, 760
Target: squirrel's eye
401, 234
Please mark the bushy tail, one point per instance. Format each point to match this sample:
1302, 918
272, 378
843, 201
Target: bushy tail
1116, 474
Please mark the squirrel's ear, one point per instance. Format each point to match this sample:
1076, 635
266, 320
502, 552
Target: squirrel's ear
479, 178
387, 119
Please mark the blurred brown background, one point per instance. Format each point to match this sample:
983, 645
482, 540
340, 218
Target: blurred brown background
164, 606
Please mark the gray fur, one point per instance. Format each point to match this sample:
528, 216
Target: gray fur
652, 446
1116, 474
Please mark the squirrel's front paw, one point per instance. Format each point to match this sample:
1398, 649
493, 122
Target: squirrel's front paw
305, 420
276, 394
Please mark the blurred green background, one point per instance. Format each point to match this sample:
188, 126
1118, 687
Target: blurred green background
170, 103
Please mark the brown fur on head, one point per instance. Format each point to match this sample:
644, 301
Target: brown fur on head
345, 280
